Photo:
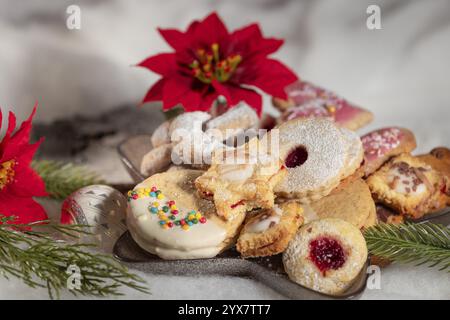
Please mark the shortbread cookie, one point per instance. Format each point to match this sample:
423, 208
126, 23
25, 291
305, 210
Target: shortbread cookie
352, 203
382, 144
167, 218
269, 231
156, 160
306, 100
317, 157
161, 135
239, 178
234, 121
326, 255
409, 185
355, 152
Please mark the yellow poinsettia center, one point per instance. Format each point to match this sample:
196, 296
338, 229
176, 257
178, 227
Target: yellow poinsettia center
6, 173
210, 66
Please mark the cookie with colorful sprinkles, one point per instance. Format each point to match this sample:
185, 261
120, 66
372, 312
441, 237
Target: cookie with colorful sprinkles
167, 218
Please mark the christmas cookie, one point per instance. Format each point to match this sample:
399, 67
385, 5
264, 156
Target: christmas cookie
352, 203
439, 160
382, 144
235, 121
165, 217
161, 135
187, 123
156, 160
317, 155
242, 179
306, 100
326, 255
269, 231
409, 185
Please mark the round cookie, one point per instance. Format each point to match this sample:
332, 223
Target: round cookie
352, 203
326, 255
166, 217
315, 153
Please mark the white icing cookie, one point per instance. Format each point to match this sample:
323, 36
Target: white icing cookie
165, 217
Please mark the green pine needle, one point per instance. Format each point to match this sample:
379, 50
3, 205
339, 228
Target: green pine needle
61, 179
30, 253
422, 244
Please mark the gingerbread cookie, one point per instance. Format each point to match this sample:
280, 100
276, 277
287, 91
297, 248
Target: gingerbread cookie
165, 217
306, 100
242, 179
409, 185
317, 156
326, 255
382, 144
269, 231
352, 203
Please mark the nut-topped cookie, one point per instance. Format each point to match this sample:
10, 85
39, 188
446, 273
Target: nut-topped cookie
409, 185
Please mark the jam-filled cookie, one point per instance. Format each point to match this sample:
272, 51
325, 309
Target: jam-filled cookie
306, 100
352, 203
409, 185
382, 144
317, 155
269, 231
166, 217
326, 255
242, 180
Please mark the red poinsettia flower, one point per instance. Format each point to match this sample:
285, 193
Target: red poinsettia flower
209, 62
18, 182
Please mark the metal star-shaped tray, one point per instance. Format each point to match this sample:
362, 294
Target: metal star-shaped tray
267, 270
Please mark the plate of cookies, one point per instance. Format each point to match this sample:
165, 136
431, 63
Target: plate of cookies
282, 200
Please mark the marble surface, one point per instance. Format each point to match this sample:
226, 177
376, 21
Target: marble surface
399, 72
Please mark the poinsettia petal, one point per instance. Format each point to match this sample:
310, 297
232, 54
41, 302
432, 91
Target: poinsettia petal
210, 30
223, 91
249, 41
269, 75
26, 210
155, 93
249, 96
178, 90
163, 63
175, 38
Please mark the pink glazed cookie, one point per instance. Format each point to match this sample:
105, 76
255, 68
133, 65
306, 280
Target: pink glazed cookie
382, 144
309, 101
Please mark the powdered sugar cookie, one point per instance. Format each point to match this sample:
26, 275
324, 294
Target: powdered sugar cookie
269, 231
316, 156
161, 135
239, 179
382, 144
409, 185
187, 123
326, 255
306, 100
166, 217
156, 160
234, 121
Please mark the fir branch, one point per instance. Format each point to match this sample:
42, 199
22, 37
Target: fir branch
422, 244
61, 179
39, 260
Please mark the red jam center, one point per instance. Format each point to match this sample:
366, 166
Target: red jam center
326, 254
296, 157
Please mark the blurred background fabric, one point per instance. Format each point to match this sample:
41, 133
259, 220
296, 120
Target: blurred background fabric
87, 79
